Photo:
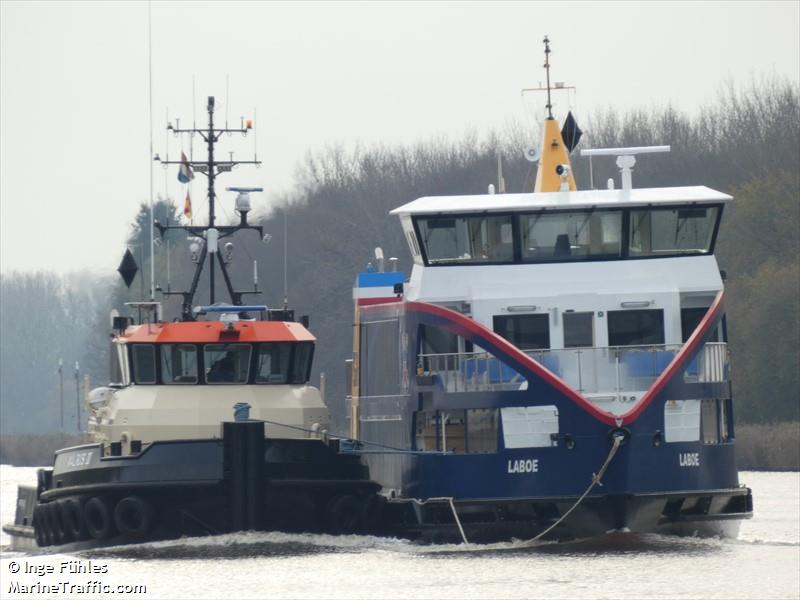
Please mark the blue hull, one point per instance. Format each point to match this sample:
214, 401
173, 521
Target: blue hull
651, 485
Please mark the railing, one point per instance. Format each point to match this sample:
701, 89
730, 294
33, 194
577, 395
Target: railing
612, 370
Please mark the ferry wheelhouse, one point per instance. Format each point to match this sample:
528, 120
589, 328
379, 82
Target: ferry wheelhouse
536, 332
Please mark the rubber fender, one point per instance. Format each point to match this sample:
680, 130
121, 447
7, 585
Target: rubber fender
61, 520
40, 526
58, 536
133, 516
73, 518
98, 518
342, 514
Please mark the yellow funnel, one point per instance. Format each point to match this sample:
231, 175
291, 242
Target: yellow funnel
554, 153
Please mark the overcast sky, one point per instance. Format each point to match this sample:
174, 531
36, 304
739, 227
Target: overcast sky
74, 158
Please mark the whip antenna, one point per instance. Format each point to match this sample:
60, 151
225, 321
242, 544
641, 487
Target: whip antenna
150, 159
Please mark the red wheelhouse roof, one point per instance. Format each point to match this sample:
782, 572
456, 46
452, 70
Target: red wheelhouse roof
201, 332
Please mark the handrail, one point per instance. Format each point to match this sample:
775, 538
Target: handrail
593, 370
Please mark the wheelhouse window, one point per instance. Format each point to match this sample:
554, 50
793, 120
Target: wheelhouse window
144, 363
467, 239
635, 327
571, 235
665, 231
526, 332
178, 363
226, 363
272, 364
301, 366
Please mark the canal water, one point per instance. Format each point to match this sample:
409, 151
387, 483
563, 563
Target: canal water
764, 562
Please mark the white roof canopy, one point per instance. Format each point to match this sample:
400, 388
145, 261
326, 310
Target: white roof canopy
562, 200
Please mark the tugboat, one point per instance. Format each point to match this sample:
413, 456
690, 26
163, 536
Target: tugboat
556, 366
174, 449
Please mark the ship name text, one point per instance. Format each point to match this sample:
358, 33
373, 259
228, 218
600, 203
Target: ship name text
689, 459
530, 465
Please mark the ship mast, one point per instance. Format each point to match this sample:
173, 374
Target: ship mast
555, 171
211, 168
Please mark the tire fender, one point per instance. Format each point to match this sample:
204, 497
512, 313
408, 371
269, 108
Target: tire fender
133, 515
98, 518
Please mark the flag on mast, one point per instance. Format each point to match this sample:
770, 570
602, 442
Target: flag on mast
187, 206
185, 174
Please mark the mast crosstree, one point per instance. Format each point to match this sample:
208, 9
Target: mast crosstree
211, 233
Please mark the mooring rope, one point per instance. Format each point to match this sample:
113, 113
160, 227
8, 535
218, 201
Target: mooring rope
617, 440
449, 500
596, 480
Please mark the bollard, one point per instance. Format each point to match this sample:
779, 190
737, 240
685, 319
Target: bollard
243, 442
241, 412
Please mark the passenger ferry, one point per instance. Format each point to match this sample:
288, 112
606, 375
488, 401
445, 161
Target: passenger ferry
556, 363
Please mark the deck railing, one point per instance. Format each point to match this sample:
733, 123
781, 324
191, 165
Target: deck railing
617, 369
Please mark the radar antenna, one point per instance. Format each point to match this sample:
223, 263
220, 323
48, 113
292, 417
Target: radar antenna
212, 233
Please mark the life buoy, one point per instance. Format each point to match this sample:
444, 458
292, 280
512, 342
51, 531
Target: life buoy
74, 520
40, 526
342, 514
133, 516
98, 519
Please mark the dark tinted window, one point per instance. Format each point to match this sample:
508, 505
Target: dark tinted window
527, 332
665, 231
144, 363
635, 327
178, 363
578, 330
571, 236
437, 341
690, 319
302, 363
226, 363
272, 364
465, 240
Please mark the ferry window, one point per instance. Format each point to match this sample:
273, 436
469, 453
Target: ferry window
144, 363
178, 363
272, 365
578, 329
425, 425
301, 366
663, 231
690, 319
570, 236
452, 430
635, 327
526, 332
226, 363
481, 430
466, 240
434, 340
